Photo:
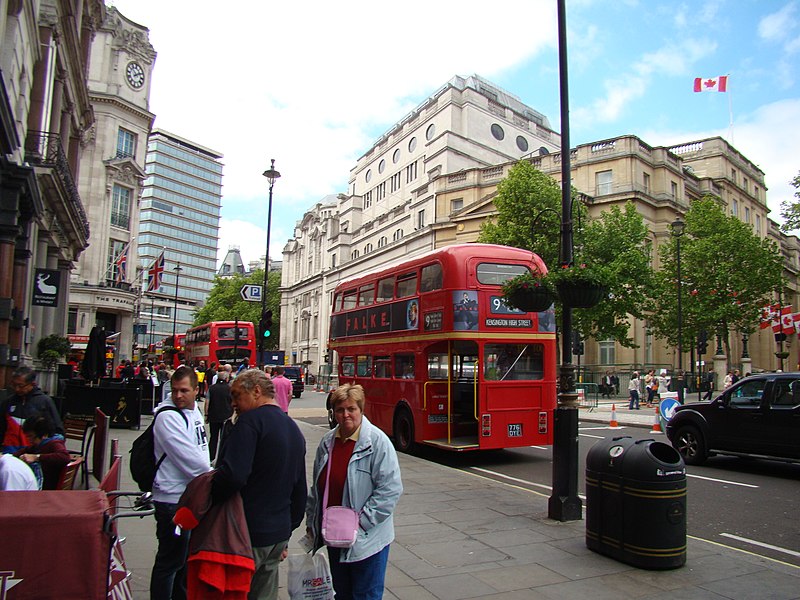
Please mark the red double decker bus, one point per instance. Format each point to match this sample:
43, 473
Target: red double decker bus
442, 358
221, 341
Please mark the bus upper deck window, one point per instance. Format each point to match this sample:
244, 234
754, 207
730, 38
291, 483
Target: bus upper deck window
498, 274
349, 300
366, 295
406, 285
431, 278
385, 290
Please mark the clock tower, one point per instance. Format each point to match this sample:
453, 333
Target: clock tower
106, 285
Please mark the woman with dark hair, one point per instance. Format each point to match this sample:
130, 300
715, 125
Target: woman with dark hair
47, 451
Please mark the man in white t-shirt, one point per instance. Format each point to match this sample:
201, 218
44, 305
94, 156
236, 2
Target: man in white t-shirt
16, 475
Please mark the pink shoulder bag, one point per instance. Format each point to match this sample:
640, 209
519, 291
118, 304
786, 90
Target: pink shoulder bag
339, 523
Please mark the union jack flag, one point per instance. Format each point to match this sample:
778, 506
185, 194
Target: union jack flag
121, 264
155, 273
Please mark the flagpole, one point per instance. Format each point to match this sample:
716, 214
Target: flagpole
730, 111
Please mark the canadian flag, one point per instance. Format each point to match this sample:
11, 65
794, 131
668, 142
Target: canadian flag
711, 84
770, 315
787, 320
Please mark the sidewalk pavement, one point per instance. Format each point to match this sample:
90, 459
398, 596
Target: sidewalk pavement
460, 535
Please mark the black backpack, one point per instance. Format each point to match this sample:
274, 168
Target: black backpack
143, 454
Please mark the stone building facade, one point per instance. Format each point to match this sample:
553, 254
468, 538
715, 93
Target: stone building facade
111, 181
350, 234
46, 119
388, 212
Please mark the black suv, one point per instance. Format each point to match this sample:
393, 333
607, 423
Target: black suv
758, 416
295, 375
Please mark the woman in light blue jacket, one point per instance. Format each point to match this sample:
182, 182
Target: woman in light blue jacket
364, 476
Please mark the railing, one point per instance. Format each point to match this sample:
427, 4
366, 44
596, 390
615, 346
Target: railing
45, 149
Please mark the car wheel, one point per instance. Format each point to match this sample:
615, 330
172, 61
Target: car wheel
690, 444
403, 430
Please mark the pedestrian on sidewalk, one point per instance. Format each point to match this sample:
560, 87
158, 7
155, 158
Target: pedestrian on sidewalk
218, 410
283, 388
263, 459
181, 439
364, 475
633, 392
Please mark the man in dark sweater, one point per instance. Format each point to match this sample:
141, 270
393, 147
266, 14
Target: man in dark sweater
218, 410
27, 401
263, 457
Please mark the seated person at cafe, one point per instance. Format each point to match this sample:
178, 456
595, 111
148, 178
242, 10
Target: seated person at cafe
47, 451
15, 475
27, 401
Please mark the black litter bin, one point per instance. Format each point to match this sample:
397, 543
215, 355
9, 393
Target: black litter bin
636, 502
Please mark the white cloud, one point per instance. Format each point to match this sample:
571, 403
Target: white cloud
621, 91
776, 26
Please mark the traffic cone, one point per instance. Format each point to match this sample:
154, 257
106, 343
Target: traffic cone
656, 424
613, 422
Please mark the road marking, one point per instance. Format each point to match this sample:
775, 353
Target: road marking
749, 485
743, 551
603, 427
597, 437
510, 478
762, 544
540, 447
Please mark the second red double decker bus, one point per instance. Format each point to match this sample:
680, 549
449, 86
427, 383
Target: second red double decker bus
444, 361
221, 341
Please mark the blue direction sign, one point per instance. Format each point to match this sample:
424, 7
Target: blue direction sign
251, 293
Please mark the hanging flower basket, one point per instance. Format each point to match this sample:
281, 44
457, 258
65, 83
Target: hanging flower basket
529, 293
534, 299
577, 294
782, 355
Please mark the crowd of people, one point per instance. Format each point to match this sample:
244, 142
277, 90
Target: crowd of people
241, 446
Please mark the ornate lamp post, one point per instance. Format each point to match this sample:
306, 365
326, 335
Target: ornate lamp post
678, 227
272, 176
564, 504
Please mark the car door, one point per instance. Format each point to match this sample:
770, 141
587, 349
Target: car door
740, 417
781, 435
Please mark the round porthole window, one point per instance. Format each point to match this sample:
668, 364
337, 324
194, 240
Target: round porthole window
498, 132
522, 143
396, 156
412, 144
368, 176
430, 132
381, 166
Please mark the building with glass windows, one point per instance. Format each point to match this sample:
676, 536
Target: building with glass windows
179, 215
104, 286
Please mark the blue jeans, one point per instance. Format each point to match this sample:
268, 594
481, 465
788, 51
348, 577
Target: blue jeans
168, 579
634, 399
362, 580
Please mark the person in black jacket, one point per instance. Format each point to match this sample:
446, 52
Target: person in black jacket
263, 458
28, 401
218, 410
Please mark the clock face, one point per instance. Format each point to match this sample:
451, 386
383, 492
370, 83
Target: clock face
135, 75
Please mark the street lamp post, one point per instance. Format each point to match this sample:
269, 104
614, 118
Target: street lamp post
678, 227
272, 176
564, 503
177, 270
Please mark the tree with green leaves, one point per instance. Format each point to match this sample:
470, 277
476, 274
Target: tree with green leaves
728, 273
225, 302
790, 210
528, 204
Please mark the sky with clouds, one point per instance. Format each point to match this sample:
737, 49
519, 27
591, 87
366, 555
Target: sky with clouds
314, 84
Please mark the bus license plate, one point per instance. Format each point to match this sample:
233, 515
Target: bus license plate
515, 430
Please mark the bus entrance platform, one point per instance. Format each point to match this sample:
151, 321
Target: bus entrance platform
461, 535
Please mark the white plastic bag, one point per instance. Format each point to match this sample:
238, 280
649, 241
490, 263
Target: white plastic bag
310, 577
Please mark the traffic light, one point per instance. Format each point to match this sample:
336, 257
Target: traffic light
266, 324
702, 342
577, 344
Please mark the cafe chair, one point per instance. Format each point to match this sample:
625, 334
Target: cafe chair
67, 479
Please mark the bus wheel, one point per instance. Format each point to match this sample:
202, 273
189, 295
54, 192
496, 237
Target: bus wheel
403, 430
